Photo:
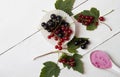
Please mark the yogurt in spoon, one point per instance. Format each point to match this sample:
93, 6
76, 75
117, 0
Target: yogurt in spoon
101, 60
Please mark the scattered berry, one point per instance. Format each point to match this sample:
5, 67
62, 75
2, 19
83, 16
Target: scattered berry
102, 19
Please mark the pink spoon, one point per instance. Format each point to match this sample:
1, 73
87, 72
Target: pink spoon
101, 60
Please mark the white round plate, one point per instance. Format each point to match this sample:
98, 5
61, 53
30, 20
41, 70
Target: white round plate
46, 17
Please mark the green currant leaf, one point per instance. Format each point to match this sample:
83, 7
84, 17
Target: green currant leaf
77, 56
91, 27
86, 12
92, 12
72, 50
65, 5
50, 69
79, 64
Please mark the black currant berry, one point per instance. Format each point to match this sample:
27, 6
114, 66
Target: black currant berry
81, 40
60, 35
83, 46
76, 43
53, 16
86, 42
43, 24
50, 23
66, 24
63, 22
59, 18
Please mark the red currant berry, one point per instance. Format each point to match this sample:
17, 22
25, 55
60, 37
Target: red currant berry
72, 64
56, 38
56, 32
66, 38
52, 34
60, 43
89, 20
64, 60
66, 29
60, 60
91, 17
102, 19
63, 28
96, 23
87, 17
56, 47
80, 15
60, 47
49, 36
62, 40
71, 59
86, 23
69, 31
68, 62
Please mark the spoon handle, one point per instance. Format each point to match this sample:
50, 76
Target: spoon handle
115, 68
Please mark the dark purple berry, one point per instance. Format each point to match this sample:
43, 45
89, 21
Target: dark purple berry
53, 16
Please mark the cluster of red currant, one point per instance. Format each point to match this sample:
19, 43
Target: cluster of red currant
59, 30
69, 62
85, 20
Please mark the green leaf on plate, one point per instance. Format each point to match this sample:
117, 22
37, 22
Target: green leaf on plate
50, 69
92, 12
65, 5
79, 64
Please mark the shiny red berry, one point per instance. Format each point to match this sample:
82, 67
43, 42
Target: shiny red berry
59, 43
56, 47
69, 31
96, 23
56, 38
102, 19
62, 40
66, 38
49, 36
60, 47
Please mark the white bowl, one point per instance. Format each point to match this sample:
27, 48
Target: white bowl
46, 17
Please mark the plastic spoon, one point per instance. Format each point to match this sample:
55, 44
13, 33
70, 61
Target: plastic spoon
102, 60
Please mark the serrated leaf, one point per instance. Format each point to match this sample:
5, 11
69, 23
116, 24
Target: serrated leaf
92, 12
79, 64
91, 27
50, 69
86, 12
77, 56
65, 5
72, 50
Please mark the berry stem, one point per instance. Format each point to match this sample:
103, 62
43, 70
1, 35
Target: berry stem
49, 54
79, 4
106, 25
108, 13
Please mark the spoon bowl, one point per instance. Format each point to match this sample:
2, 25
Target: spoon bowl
101, 60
